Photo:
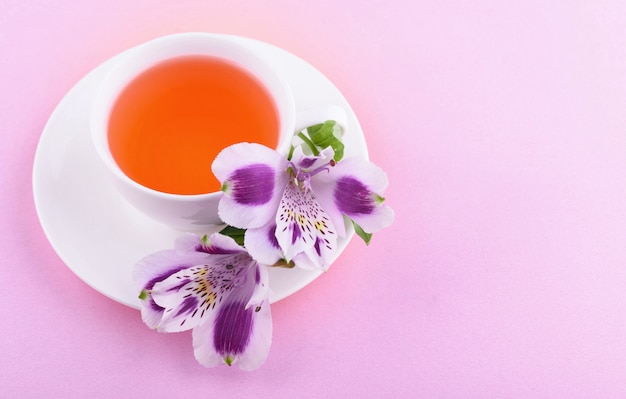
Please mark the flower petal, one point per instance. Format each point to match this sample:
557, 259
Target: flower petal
155, 268
188, 242
260, 338
306, 262
315, 259
188, 295
236, 333
354, 188
262, 244
252, 177
311, 162
219, 244
262, 287
160, 265
303, 226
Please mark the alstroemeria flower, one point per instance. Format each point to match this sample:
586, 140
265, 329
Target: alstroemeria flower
213, 286
295, 209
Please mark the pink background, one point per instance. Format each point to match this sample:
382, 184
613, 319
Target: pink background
502, 126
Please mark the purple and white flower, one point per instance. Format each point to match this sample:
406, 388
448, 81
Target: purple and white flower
294, 209
291, 211
213, 286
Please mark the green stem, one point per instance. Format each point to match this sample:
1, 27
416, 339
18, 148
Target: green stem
309, 143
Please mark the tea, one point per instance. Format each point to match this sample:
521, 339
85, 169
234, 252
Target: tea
171, 121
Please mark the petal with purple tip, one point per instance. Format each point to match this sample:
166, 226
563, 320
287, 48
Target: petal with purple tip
252, 184
219, 244
361, 200
252, 178
237, 333
154, 269
354, 188
188, 295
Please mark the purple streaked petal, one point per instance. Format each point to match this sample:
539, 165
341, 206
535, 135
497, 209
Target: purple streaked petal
353, 197
260, 338
262, 244
237, 333
249, 356
233, 327
187, 307
218, 244
354, 187
253, 177
160, 265
157, 279
323, 186
252, 184
271, 236
154, 269
184, 297
301, 224
296, 232
320, 255
187, 296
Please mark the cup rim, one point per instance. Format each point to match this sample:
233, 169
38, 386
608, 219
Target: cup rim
119, 77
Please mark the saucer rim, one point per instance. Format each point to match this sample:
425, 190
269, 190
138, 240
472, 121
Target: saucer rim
44, 150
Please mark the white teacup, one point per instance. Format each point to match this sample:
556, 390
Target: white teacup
180, 211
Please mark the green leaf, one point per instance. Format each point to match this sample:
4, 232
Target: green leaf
323, 135
234, 233
367, 237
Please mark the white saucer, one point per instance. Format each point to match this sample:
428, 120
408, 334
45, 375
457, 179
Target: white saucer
95, 232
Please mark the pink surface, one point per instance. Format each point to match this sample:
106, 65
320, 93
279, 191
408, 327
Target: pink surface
503, 131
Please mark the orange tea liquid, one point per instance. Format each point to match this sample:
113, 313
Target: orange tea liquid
171, 121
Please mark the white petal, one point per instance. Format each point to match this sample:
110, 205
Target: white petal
303, 226
151, 314
187, 242
324, 188
262, 287
380, 218
203, 346
262, 245
305, 262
